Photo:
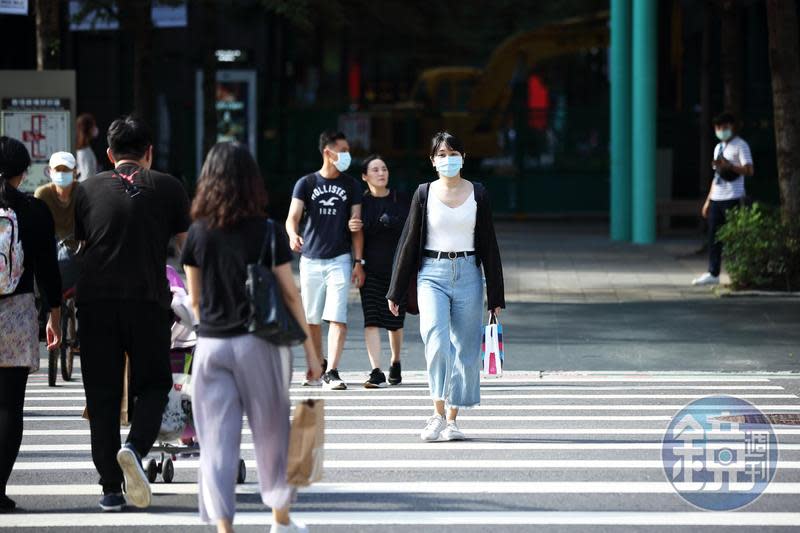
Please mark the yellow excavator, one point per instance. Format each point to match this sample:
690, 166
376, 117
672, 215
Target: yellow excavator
474, 102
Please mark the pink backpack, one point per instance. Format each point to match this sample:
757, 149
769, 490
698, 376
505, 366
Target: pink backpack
11, 254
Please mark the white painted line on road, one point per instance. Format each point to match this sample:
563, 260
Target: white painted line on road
498, 407
463, 446
412, 418
415, 518
78, 390
417, 464
414, 487
337, 397
467, 430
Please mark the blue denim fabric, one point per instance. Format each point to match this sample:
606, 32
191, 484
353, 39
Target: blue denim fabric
450, 294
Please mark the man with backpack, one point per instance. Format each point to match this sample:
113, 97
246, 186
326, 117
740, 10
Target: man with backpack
732, 162
126, 218
330, 199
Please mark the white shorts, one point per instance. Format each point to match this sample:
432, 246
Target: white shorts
324, 287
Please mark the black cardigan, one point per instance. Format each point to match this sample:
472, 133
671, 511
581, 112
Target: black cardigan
415, 234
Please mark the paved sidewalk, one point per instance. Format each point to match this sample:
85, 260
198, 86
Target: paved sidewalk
577, 263
577, 301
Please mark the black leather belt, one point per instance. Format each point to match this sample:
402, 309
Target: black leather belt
447, 255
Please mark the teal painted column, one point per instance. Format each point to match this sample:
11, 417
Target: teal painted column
620, 74
643, 117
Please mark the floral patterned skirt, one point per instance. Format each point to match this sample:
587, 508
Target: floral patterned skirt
19, 332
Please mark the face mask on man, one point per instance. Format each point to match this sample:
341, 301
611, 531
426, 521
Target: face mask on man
61, 179
724, 135
449, 166
343, 163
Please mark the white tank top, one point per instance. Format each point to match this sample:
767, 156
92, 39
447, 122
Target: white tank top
451, 229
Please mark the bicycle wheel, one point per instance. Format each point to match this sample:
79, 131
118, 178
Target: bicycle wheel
68, 341
52, 367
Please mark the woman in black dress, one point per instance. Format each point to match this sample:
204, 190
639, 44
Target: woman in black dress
384, 213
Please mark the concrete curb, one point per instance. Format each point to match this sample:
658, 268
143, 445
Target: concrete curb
731, 293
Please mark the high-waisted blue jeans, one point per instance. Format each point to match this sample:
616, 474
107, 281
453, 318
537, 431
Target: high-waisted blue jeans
450, 294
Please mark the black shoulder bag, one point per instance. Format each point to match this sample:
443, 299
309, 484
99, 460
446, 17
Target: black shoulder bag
269, 318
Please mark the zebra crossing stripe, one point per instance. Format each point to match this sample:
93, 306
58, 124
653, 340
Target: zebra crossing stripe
78, 390
468, 431
490, 396
418, 464
525, 407
464, 446
415, 487
416, 518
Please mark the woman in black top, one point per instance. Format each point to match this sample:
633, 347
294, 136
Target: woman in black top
235, 372
25, 220
383, 211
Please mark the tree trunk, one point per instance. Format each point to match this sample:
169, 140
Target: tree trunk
209, 12
136, 23
48, 38
785, 66
731, 56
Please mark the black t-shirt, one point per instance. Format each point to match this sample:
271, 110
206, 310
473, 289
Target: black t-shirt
327, 203
383, 223
222, 255
38, 238
127, 236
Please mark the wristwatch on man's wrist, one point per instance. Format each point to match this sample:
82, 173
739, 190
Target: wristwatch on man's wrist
359, 262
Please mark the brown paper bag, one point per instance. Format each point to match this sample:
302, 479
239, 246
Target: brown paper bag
306, 444
123, 406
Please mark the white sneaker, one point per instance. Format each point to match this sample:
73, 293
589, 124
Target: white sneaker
292, 527
137, 487
706, 279
312, 382
451, 432
433, 429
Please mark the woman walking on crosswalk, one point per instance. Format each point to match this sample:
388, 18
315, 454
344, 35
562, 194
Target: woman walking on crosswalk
448, 236
234, 372
27, 251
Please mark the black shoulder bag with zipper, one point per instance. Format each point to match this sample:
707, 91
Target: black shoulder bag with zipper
269, 318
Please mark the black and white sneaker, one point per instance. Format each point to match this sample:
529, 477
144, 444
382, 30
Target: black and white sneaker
395, 378
332, 381
137, 488
377, 379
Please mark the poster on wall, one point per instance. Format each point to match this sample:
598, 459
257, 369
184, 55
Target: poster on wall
13, 7
43, 126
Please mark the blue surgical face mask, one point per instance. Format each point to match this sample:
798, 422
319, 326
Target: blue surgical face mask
724, 135
449, 166
62, 179
343, 163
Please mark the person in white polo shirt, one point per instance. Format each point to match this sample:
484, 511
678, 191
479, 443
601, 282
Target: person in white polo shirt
732, 162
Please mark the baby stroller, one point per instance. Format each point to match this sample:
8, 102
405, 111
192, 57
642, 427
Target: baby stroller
177, 437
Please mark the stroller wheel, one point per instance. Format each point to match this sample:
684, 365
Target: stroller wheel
167, 470
151, 469
242, 474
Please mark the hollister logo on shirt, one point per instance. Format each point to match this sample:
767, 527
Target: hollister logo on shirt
328, 197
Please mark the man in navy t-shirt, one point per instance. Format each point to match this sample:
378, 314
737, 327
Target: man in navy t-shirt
330, 199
